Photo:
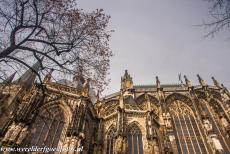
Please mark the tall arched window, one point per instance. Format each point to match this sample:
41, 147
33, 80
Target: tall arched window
47, 128
110, 141
189, 137
135, 145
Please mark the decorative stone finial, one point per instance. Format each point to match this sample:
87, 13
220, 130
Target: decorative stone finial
86, 88
9, 79
158, 83
216, 83
126, 81
225, 90
78, 77
201, 81
48, 76
187, 81
27, 79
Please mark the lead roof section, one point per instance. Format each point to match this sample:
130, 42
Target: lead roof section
165, 88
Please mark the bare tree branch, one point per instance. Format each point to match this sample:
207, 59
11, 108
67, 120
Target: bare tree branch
65, 36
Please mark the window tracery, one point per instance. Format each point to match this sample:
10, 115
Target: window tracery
189, 137
47, 128
110, 141
141, 102
135, 145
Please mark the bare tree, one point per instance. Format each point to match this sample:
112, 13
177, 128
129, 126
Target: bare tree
220, 16
65, 37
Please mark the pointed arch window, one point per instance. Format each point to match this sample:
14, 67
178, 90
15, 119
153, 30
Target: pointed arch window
110, 141
188, 134
47, 128
135, 145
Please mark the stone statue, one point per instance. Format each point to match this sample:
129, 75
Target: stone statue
16, 132
73, 144
216, 144
224, 122
119, 142
168, 123
86, 87
207, 125
66, 142
22, 135
9, 132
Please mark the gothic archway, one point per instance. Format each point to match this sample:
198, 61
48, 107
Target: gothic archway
110, 140
47, 128
135, 145
188, 133
154, 102
177, 96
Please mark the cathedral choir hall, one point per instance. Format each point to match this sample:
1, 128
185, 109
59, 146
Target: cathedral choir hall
68, 117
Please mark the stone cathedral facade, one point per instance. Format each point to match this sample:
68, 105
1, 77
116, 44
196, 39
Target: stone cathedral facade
142, 119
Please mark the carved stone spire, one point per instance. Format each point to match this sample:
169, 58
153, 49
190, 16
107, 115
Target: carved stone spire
28, 78
48, 77
9, 79
78, 79
126, 81
187, 81
86, 88
201, 81
216, 83
158, 83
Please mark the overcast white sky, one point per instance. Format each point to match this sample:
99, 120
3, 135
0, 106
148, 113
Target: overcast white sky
158, 37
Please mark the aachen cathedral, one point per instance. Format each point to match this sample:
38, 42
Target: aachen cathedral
139, 119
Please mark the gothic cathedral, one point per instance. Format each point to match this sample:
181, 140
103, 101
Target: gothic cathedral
138, 119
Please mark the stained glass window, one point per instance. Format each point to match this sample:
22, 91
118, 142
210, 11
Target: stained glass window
187, 131
110, 141
135, 145
47, 128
